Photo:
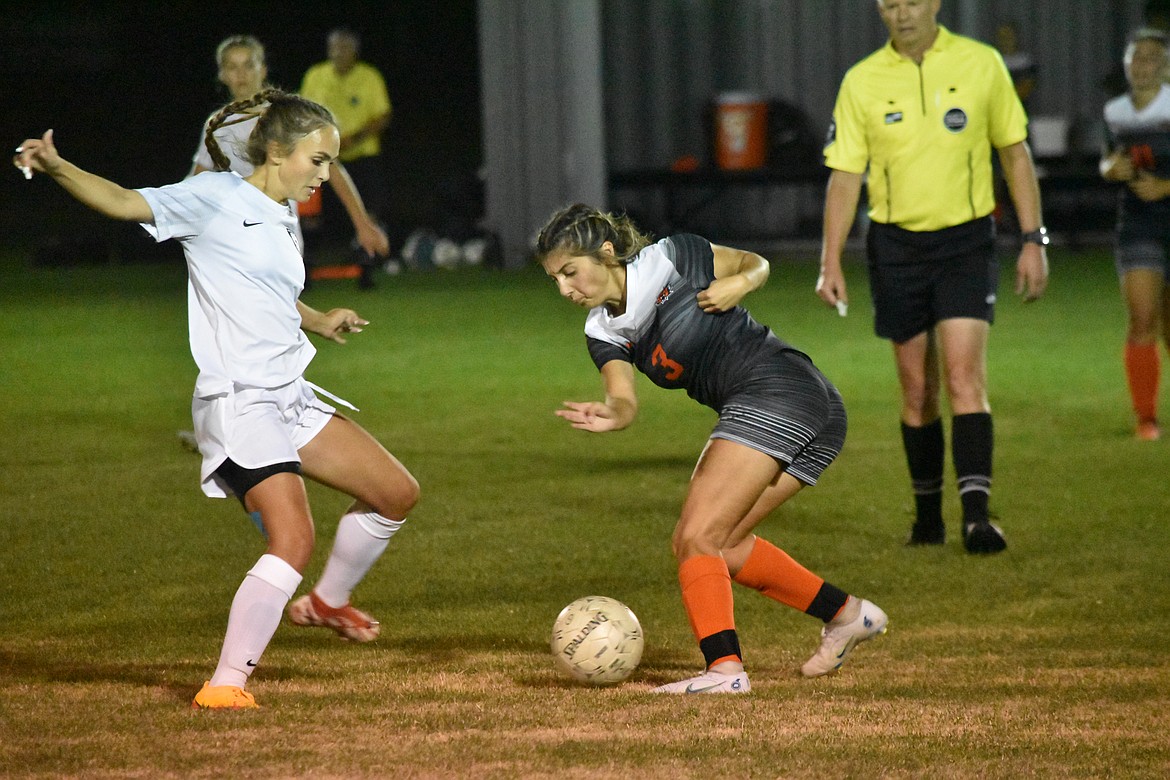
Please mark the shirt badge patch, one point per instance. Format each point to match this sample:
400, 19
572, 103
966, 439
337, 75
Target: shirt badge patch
955, 120
831, 136
663, 296
893, 117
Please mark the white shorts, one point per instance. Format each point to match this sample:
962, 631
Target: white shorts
255, 427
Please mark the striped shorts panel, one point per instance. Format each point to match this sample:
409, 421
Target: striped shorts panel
798, 418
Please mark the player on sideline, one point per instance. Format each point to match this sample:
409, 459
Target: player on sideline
671, 309
919, 117
258, 422
1139, 155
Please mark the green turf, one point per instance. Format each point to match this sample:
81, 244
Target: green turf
1047, 661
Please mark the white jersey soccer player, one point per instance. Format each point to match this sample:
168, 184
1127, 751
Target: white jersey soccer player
259, 426
232, 137
244, 277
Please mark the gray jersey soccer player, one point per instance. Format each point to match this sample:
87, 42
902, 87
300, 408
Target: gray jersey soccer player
258, 422
1139, 155
671, 310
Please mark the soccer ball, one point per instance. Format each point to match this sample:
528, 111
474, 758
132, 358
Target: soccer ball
597, 640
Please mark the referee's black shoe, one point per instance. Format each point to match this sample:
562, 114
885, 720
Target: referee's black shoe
930, 532
982, 537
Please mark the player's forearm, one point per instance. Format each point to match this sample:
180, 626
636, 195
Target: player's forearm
347, 193
621, 396
754, 269
372, 129
102, 195
310, 318
624, 411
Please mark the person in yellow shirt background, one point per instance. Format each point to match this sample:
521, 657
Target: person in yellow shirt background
356, 94
916, 122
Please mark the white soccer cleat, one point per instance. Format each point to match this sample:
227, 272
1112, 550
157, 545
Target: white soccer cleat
709, 682
349, 622
838, 640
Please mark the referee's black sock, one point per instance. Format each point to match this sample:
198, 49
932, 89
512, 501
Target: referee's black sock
971, 444
925, 450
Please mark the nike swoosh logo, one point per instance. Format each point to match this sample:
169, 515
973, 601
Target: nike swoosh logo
250, 663
251, 224
692, 689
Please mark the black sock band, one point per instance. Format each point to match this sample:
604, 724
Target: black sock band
720, 645
972, 439
827, 603
925, 455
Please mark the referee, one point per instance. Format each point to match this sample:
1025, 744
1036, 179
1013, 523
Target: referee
918, 120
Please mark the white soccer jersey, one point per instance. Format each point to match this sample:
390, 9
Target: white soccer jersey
1122, 117
1145, 136
233, 139
245, 274
646, 276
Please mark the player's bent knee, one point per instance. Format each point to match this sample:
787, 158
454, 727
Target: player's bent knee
691, 542
397, 497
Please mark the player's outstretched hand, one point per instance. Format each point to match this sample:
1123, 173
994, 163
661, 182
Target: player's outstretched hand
335, 323
37, 154
590, 416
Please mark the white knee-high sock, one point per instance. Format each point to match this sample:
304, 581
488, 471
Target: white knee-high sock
361, 538
254, 617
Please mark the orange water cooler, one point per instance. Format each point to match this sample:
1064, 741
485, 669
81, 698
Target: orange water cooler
741, 131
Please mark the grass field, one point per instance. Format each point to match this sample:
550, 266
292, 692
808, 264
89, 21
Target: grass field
1049, 660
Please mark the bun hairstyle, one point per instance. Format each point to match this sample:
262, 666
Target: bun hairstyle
581, 230
284, 119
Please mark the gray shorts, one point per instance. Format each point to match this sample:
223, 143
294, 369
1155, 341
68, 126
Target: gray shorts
791, 412
1143, 254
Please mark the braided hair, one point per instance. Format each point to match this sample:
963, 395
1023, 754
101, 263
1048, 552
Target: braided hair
284, 119
580, 230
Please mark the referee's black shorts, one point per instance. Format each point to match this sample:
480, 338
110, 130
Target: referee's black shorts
917, 279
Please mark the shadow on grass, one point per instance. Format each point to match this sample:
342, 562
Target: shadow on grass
180, 680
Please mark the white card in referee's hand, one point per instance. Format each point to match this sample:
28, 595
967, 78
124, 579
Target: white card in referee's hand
842, 308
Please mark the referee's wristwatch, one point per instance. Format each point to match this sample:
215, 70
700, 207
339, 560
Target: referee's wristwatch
1037, 236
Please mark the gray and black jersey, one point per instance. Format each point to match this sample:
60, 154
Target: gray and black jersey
667, 337
1145, 136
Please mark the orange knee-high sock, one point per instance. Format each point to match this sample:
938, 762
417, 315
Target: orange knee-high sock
774, 573
1142, 369
706, 595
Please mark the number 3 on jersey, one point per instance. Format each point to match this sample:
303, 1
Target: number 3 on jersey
673, 369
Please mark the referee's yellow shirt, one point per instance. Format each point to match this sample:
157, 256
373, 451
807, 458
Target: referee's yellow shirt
355, 99
924, 133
